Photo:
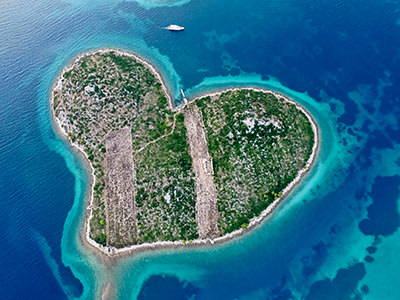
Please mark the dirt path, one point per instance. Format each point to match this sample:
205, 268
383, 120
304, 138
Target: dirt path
206, 202
159, 138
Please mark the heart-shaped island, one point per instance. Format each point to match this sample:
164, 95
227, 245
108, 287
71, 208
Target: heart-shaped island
202, 172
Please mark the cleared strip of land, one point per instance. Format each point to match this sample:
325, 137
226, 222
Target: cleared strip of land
120, 177
206, 201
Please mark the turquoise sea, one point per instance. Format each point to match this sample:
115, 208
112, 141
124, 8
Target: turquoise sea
335, 237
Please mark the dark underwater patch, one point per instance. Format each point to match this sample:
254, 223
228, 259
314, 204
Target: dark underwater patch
312, 262
378, 140
166, 288
372, 249
235, 71
369, 259
383, 216
351, 111
341, 287
394, 134
281, 292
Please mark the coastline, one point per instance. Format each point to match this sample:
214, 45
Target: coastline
111, 253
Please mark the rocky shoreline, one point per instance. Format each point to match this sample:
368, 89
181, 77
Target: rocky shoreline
111, 252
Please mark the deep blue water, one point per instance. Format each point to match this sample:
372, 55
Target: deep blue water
336, 237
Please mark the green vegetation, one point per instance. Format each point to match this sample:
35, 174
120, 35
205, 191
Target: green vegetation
258, 144
103, 92
165, 191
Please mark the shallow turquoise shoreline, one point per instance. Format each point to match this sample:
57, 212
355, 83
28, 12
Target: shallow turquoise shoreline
82, 217
337, 155
132, 250
72, 244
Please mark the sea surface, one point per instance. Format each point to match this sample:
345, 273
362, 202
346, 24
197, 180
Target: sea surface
336, 237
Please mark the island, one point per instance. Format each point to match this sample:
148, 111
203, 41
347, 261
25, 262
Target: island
201, 172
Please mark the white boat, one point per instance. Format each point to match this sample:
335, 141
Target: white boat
173, 27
